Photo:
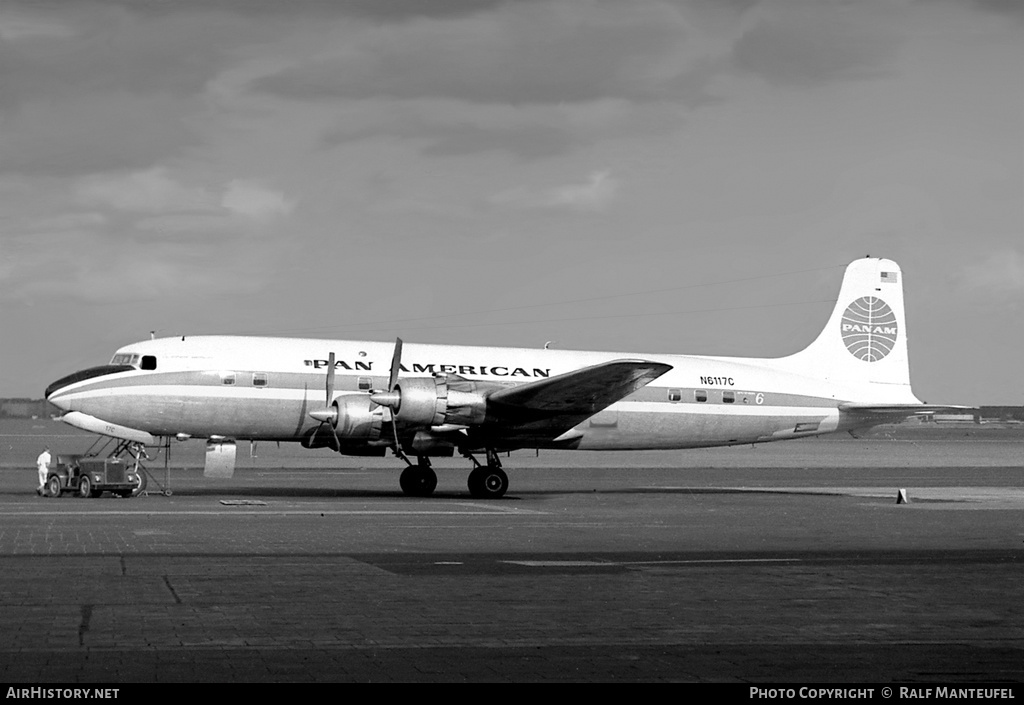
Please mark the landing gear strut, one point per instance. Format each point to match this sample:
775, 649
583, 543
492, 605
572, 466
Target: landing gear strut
418, 480
487, 481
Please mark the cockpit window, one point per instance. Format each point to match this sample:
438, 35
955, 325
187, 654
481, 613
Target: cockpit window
125, 359
145, 362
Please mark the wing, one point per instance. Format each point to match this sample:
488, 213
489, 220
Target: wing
547, 408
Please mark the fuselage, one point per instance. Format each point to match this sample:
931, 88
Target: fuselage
265, 388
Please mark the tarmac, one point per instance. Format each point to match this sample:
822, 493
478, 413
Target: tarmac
788, 565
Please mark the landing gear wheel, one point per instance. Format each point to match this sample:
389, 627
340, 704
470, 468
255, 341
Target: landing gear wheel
418, 481
53, 486
488, 482
140, 487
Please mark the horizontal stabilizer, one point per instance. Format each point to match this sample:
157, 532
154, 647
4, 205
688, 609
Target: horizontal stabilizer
903, 410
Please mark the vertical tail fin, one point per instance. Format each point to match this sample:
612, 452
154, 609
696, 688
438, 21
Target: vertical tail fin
863, 348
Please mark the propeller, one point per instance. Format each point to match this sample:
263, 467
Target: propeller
391, 399
329, 414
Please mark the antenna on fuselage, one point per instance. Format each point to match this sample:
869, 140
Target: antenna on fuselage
152, 335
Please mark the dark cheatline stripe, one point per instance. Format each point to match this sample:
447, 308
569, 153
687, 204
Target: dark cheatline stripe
86, 374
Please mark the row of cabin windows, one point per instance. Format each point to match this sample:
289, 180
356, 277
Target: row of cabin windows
701, 395
259, 379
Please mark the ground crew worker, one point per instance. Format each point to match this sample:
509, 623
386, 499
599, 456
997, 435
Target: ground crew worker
43, 466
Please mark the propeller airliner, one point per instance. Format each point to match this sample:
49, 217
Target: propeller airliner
365, 398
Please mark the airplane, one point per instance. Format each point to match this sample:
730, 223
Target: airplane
363, 398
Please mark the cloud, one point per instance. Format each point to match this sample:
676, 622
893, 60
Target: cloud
152, 190
594, 195
97, 269
70, 135
15, 27
254, 201
1002, 273
807, 42
517, 54
1013, 8
172, 205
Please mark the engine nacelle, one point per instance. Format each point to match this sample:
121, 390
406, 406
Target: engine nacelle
442, 399
357, 418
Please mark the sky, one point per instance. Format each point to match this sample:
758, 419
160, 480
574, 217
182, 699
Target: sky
658, 176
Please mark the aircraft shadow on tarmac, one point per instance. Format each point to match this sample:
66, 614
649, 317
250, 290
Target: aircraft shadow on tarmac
363, 493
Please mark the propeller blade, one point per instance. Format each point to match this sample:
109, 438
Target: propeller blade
328, 416
398, 444
391, 400
396, 364
330, 380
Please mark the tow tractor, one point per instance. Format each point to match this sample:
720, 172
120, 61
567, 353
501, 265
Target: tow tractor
92, 476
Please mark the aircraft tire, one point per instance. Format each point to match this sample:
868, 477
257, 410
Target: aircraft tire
488, 483
418, 481
141, 486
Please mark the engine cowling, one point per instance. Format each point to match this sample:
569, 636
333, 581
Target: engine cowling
356, 418
440, 400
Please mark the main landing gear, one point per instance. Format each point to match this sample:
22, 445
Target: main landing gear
485, 481
418, 480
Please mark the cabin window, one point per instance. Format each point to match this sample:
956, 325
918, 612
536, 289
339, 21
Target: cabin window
365, 383
148, 362
259, 379
700, 395
227, 377
728, 397
675, 395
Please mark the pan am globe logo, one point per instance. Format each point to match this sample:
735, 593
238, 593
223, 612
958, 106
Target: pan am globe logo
869, 329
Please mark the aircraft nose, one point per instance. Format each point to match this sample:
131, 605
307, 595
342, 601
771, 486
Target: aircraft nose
52, 392
56, 386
